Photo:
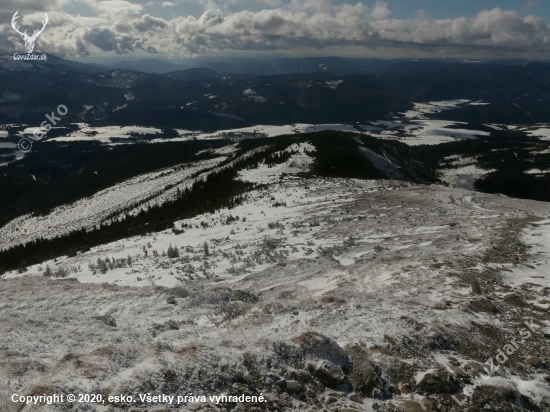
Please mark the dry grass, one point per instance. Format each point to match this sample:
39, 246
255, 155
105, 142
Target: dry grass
88, 370
307, 338
108, 352
188, 350
331, 299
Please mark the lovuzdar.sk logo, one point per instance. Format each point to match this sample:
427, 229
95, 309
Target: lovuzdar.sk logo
29, 40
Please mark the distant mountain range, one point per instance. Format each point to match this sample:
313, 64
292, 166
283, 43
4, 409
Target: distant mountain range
317, 90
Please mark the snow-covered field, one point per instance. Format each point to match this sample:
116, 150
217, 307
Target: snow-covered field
309, 272
412, 127
421, 109
414, 131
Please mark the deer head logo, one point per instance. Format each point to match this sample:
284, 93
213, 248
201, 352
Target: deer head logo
29, 40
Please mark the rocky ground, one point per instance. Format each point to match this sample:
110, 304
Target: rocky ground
360, 298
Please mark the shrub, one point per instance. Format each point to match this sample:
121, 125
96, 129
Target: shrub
275, 225
48, 272
61, 273
173, 252
270, 243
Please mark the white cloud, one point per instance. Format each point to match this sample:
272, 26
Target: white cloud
168, 4
381, 11
114, 7
118, 27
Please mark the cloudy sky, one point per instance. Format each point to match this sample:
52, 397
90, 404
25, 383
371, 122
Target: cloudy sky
94, 29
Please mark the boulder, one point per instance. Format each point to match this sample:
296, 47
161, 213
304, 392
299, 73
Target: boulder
362, 376
329, 373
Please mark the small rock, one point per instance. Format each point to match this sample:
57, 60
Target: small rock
438, 339
107, 320
172, 324
320, 386
377, 394
355, 398
437, 382
171, 300
459, 372
547, 378
405, 389
295, 313
293, 387
380, 351
483, 305
240, 408
311, 394
301, 375
412, 406
476, 288
534, 362
331, 399
476, 367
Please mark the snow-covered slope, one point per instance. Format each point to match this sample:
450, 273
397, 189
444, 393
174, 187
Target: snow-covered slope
344, 276
89, 212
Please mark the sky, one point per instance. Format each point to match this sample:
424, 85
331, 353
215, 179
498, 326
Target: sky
181, 29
